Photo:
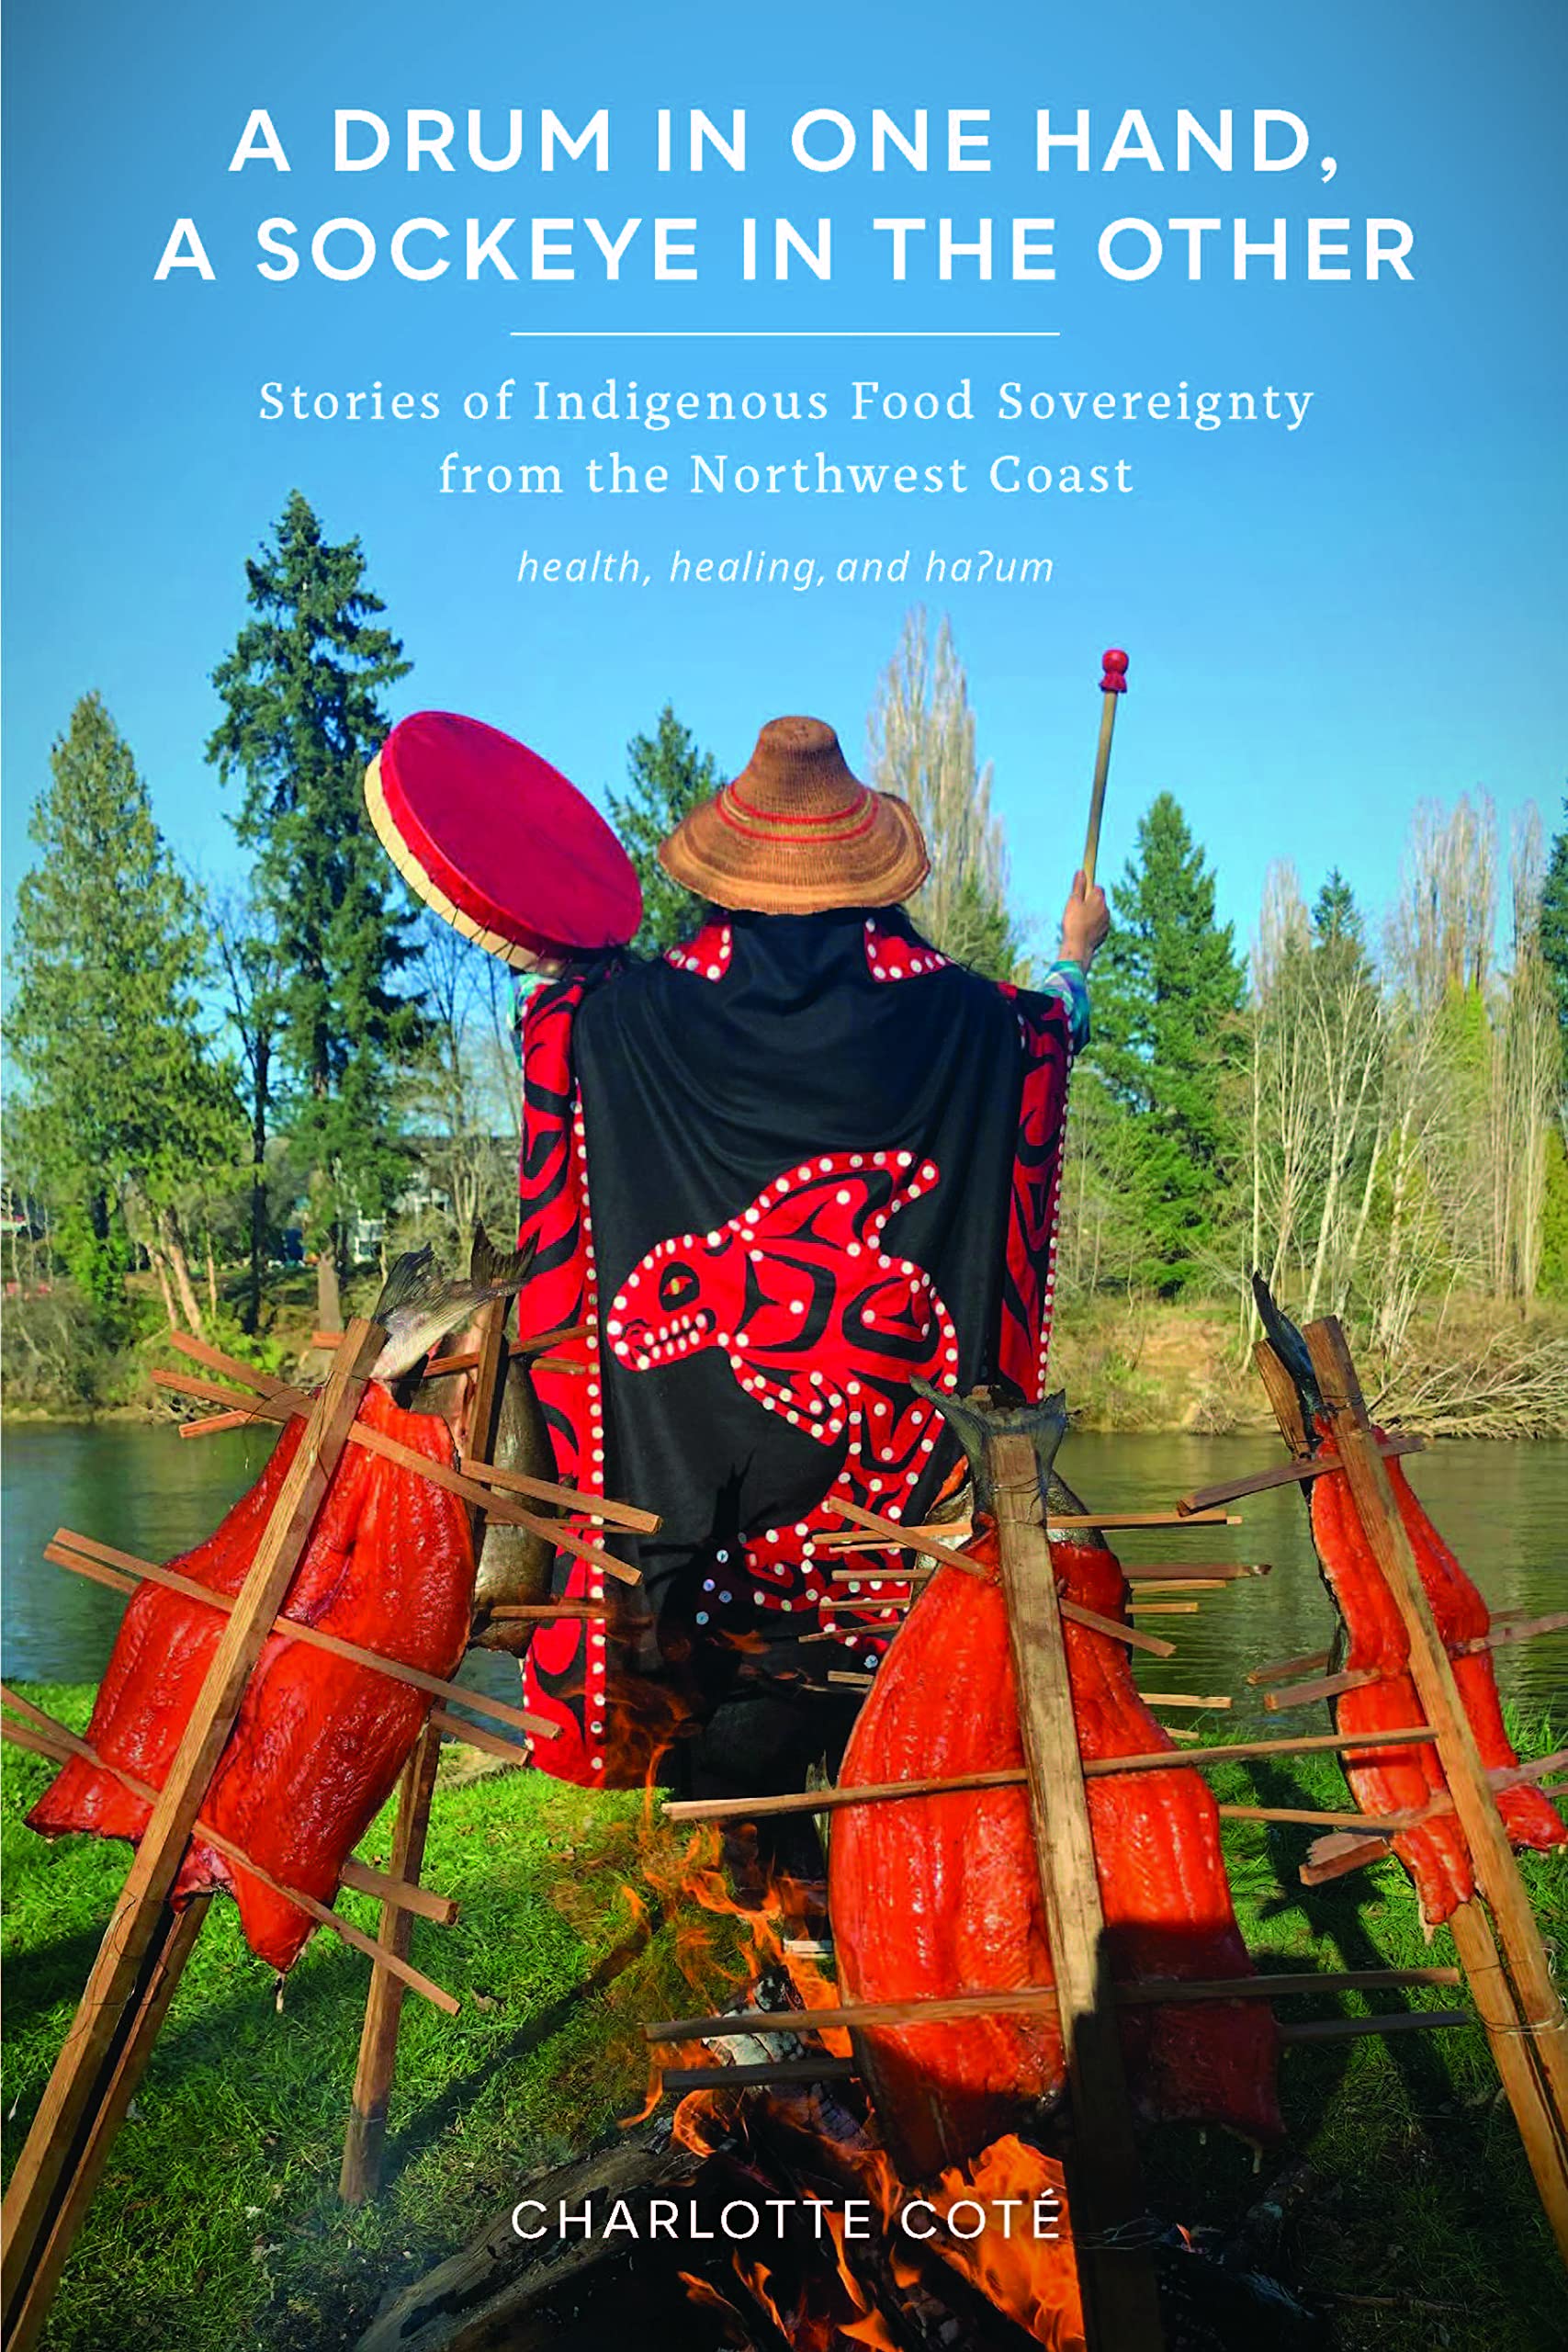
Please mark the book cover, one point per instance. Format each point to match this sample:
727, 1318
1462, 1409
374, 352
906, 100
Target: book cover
887, 684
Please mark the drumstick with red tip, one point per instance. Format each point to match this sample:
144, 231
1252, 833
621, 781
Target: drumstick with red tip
1114, 682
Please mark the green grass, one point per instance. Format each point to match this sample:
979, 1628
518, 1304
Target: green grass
1424, 2194
217, 2223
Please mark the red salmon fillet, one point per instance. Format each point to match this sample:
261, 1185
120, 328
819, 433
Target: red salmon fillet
318, 1743
933, 1895
1405, 1779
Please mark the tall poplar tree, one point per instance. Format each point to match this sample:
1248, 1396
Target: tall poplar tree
302, 718
122, 1103
921, 742
1168, 987
666, 777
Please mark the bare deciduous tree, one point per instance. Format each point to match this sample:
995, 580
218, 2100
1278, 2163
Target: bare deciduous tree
921, 734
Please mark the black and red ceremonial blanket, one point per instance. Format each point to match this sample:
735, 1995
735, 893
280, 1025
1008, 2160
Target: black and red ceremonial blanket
777, 1171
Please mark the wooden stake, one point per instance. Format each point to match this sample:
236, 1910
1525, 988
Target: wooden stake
1113, 1519
1521, 1629
1104, 2187
1505, 1629
1114, 1630
262, 1383
475, 1735
1350, 2028
1496, 1872
359, 2176
1168, 1992
1110, 1627
546, 1490
544, 1612
945, 1530
1161, 1760
40, 2188
1325, 1686
1516, 2063
1330, 1858
1178, 1573
235, 1418
1286, 1473
83, 1555
1307, 1663
289, 1404
1304, 1815
169, 1947
678, 2080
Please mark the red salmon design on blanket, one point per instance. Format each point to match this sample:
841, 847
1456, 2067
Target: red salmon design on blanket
818, 1323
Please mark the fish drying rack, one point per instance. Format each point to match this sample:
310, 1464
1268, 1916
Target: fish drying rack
147, 1942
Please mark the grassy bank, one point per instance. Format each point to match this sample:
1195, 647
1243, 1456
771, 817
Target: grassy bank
1127, 1364
1465, 1369
218, 2222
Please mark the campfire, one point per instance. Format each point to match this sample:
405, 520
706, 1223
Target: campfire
763, 2215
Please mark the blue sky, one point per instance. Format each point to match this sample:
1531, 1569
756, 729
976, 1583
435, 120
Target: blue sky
1326, 626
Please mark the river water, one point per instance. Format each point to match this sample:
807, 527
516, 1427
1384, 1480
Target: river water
1503, 1508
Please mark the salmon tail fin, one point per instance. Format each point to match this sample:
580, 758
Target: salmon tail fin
498, 1272
976, 1419
407, 1283
1289, 1346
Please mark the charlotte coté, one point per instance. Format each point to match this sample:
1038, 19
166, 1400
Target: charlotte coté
965, 2217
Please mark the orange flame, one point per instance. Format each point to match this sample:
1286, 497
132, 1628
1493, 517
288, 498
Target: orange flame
997, 2195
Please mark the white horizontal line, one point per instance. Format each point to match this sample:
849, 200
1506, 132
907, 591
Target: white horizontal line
788, 335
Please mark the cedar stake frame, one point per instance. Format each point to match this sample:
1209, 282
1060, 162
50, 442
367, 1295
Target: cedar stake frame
147, 1943
1516, 2000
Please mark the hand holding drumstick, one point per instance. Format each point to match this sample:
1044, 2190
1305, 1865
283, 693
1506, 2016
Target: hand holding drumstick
1086, 921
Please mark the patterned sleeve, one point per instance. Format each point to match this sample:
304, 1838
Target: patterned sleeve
1047, 1030
1067, 980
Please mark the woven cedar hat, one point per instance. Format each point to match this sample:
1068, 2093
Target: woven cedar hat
797, 832
498, 842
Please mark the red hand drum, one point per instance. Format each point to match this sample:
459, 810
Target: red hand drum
497, 843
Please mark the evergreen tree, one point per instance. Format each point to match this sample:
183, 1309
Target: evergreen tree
1168, 987
1335, 914
122, 1101
980, 932
302, 718
667, 775
1554, 919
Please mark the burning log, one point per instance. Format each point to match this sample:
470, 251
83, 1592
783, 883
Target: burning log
768, 2221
